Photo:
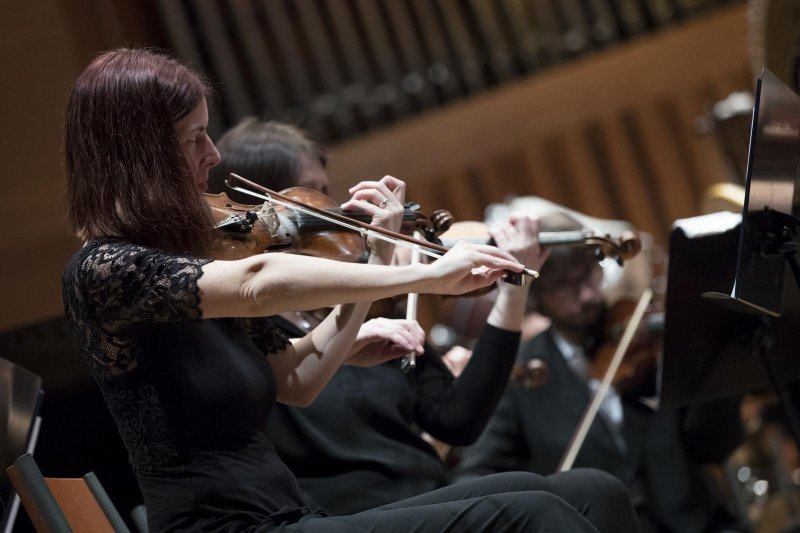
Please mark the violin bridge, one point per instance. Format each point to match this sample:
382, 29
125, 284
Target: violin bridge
269, 217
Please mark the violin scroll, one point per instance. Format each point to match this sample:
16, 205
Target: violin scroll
442, 220
430, 227
629, 245
624, 247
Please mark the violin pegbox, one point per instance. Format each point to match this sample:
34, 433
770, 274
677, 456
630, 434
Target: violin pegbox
620, 249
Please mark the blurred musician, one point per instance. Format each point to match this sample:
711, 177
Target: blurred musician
656, 453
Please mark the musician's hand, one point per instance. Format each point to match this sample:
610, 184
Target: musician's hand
468, 267
383, 339
383, 200
520, 237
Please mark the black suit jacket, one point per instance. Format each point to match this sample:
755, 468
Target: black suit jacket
532, 428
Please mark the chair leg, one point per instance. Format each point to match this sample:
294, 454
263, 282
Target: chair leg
139, 517
36, 496
105, 502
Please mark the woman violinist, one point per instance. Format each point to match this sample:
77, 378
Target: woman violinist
360, 445
177, 341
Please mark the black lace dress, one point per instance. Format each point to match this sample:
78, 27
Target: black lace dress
191, 397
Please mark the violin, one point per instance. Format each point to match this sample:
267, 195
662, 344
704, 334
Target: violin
621, 248
281, 235
251, 229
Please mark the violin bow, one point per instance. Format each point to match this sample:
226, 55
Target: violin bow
426, 248
409, 362
429, 249
591, 411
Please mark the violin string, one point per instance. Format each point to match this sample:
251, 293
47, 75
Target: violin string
302, 218
363, 231
432, 250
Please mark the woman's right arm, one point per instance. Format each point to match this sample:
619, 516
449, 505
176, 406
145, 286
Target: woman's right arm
268, 284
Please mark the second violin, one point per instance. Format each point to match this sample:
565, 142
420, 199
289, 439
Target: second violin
621, 248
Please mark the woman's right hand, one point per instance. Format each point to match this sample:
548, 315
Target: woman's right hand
383, 339
467, 267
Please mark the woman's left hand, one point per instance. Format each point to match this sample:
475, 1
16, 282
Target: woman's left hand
383, 339
520, 237
383, 200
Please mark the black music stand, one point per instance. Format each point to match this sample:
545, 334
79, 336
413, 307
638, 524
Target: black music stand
749, 341
770, 233
710, 350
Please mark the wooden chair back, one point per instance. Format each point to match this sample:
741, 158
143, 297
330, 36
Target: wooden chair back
57, 505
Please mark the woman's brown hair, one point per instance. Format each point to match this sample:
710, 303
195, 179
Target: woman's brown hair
126, 176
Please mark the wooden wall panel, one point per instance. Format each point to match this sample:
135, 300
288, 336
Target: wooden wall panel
635, 200
45, 46
540, 180
612, 135
667, 172
583, 173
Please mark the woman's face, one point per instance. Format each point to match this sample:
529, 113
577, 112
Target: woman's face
198, 150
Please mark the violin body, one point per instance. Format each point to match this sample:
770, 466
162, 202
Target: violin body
253, 229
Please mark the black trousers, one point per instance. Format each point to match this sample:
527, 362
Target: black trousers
583, 500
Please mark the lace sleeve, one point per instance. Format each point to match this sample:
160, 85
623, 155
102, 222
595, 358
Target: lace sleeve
113, 288
128, 285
